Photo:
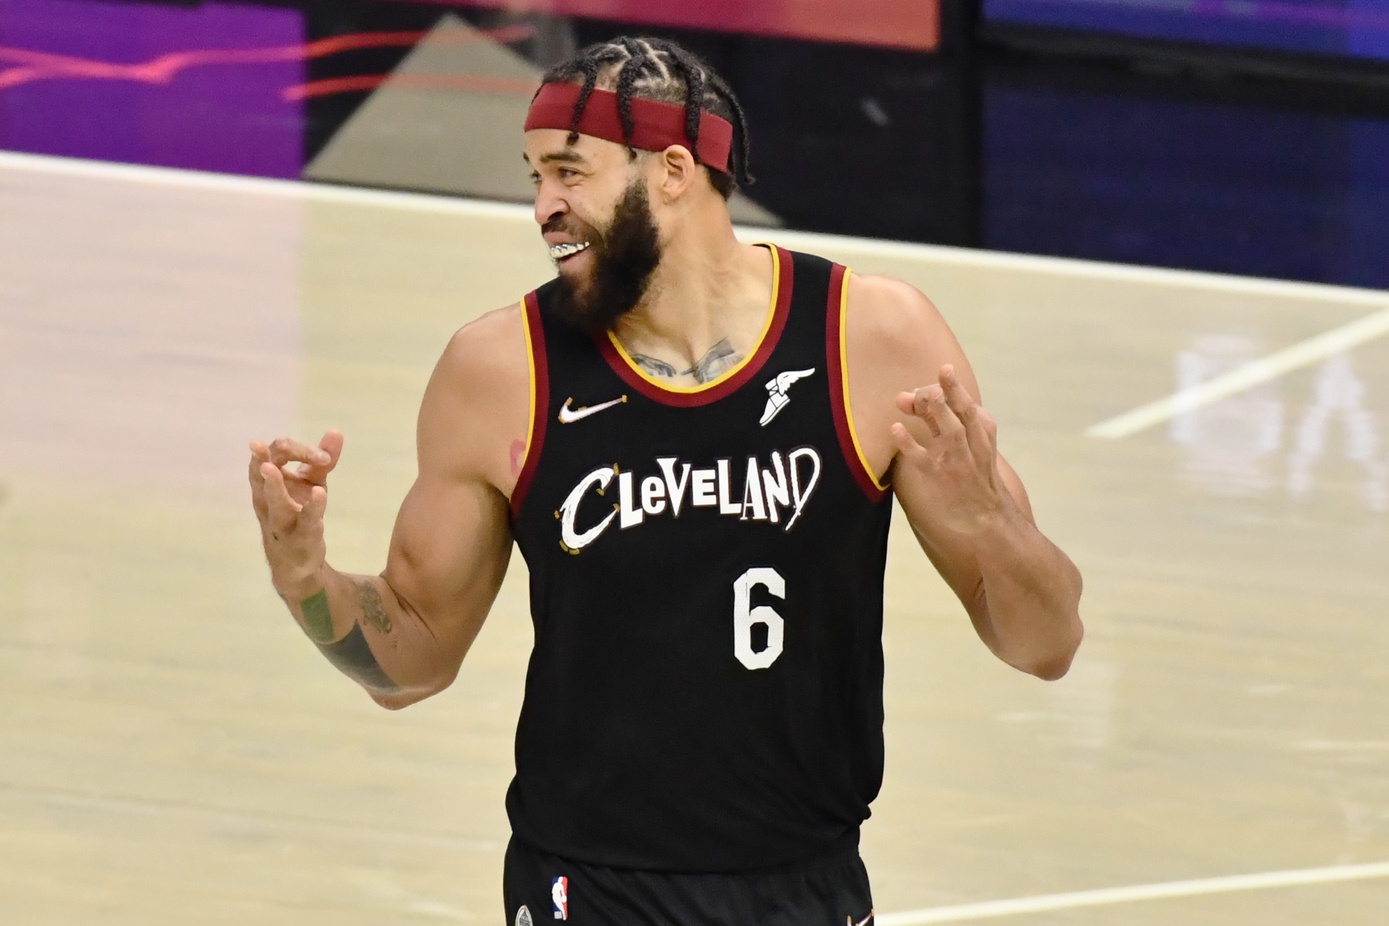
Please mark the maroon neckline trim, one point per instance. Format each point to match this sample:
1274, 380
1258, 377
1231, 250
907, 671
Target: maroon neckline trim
733, 383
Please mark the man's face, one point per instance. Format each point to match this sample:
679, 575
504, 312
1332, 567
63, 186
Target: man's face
594, 212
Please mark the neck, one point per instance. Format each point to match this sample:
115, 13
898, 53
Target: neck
709, 288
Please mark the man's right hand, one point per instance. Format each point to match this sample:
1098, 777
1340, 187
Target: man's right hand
290, 503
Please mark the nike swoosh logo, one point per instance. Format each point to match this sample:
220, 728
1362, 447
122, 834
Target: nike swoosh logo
569, 415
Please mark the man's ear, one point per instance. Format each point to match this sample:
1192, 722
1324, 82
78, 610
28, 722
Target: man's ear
678, 171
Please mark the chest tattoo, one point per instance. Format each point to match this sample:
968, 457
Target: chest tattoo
718, 360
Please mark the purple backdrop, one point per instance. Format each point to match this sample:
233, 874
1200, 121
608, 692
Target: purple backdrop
201, 111
1355, 28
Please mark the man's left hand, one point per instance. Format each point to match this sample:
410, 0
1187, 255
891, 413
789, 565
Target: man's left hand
957, 465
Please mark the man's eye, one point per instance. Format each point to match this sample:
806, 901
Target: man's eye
565, 173
535, 178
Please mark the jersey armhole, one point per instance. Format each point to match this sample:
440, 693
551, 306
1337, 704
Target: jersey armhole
837, 362
538, 372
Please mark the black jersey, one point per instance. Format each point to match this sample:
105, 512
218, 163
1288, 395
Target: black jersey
706, 569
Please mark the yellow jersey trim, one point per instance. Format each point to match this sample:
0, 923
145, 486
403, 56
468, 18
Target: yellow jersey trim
530, 376
844, 375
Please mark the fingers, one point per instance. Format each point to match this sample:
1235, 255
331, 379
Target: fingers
907, 446
314, 508
978, 423
331, 444
282, 511
285, 450
956, 426
949, 409
260, 454
329, 450
314, 463
929, 404
956, 396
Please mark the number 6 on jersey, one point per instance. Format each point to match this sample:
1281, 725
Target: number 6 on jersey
745, 616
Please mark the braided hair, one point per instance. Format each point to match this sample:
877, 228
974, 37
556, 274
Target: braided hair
655, 69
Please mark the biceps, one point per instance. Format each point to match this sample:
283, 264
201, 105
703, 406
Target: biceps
449, 552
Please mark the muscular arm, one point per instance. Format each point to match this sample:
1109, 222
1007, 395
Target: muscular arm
970, 513
403, 635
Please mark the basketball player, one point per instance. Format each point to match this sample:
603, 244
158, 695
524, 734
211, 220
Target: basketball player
695, 444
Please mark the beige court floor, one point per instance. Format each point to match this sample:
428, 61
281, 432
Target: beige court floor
173, 751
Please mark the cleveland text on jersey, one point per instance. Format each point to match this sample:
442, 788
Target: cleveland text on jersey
787, 483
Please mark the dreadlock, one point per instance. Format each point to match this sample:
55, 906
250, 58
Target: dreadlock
655, 69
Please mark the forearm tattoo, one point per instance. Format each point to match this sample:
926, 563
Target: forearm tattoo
318, 620
372, 609
352, 656
720, 359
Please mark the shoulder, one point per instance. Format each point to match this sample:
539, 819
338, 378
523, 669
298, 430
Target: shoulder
895, 340
478, 399
893, 324
492, 345
887, 306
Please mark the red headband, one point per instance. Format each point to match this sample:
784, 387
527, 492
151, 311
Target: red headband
655, 126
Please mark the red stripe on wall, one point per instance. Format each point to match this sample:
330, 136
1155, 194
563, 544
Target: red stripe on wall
910, 24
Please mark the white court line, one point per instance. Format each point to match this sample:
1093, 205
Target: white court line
1305, 353
1115, 895
810, 241
260, 186
237, 819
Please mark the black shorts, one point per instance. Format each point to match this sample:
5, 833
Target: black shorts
542, 889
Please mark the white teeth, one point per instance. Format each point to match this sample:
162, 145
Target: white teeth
558, 251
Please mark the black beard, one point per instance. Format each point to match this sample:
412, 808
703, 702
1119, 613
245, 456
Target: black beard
624, 258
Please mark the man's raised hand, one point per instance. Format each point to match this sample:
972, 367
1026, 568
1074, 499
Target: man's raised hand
289, 493
957, 463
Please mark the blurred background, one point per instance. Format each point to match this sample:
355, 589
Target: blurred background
1240, 136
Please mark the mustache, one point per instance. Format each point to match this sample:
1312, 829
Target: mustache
572, 229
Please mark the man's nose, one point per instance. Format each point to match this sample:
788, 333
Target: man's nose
548, 206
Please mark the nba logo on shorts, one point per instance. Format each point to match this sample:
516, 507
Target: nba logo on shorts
559, 893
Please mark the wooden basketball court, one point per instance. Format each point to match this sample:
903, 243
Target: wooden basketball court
174, 751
